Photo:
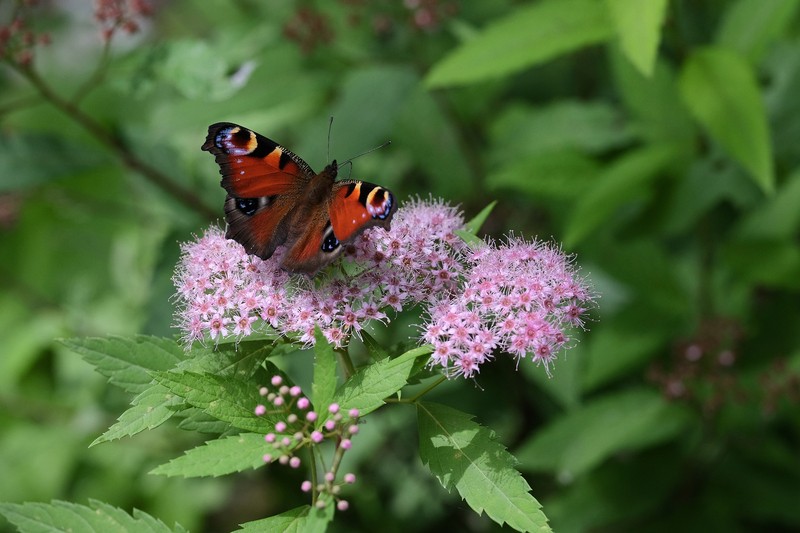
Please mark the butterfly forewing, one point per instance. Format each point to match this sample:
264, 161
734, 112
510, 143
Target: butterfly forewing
253, 165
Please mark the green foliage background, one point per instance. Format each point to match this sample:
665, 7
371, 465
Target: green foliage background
656, 140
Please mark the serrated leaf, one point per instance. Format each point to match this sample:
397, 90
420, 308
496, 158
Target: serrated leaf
367, 389
531, 35
233, 359
225, 398
638, 24
150, 409
195, 419
580, 440
750, 26
465, 455
324, 385
98, 517
721, 90
128, 361
625, 179
474, 224
298, 520
218, 457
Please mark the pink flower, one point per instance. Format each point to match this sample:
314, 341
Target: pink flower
219, 285
519, 298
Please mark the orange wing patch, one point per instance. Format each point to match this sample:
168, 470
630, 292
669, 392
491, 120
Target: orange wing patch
358, 205
253, 165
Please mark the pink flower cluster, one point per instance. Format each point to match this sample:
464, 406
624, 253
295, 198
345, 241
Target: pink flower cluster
223, 292
518, 298
300, 426
121, 14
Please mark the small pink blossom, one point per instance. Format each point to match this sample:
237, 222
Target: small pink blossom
519, 298
222, 291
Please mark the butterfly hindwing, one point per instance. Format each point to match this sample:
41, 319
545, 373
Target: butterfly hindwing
313, 249
358, 205
258, 224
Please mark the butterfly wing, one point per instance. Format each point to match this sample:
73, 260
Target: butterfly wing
353, 206
264, 182
358, 205
253, 166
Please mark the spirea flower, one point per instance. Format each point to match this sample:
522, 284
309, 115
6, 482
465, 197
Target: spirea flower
222, 292
520, 298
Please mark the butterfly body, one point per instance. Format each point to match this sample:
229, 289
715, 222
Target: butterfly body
275, 198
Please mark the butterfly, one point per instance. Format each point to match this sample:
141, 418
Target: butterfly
274, 199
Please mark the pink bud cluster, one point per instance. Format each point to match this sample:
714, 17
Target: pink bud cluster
18, 40
519, 298
300, 426
122, 15
223, 292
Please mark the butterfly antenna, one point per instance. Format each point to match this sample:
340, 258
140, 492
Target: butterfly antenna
350, 161
330, 127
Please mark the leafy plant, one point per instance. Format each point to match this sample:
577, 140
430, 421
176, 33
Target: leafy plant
655, 139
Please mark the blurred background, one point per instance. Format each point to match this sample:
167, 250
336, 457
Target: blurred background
656, 140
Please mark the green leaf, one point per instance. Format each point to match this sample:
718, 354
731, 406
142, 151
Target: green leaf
638, 24
197, 70
531, 35
375, 349
218, 457
98, 517
750, 26
234, 359
150, 409
370, 100
471, 240
624, 180
195, 419
721, 91
474, 225
324, 385
562, 174
465, 455
592, 127
128, 361
670, 119
367, 389
225, 398
580, 440
423, 123
778, 218
620, 346
773, 263
303, 519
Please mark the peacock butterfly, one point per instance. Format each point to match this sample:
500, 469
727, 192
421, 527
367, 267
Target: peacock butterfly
274, 198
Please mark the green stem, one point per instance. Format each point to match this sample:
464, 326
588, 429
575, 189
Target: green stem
313, 466
435, 384
345, 362
184, 195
